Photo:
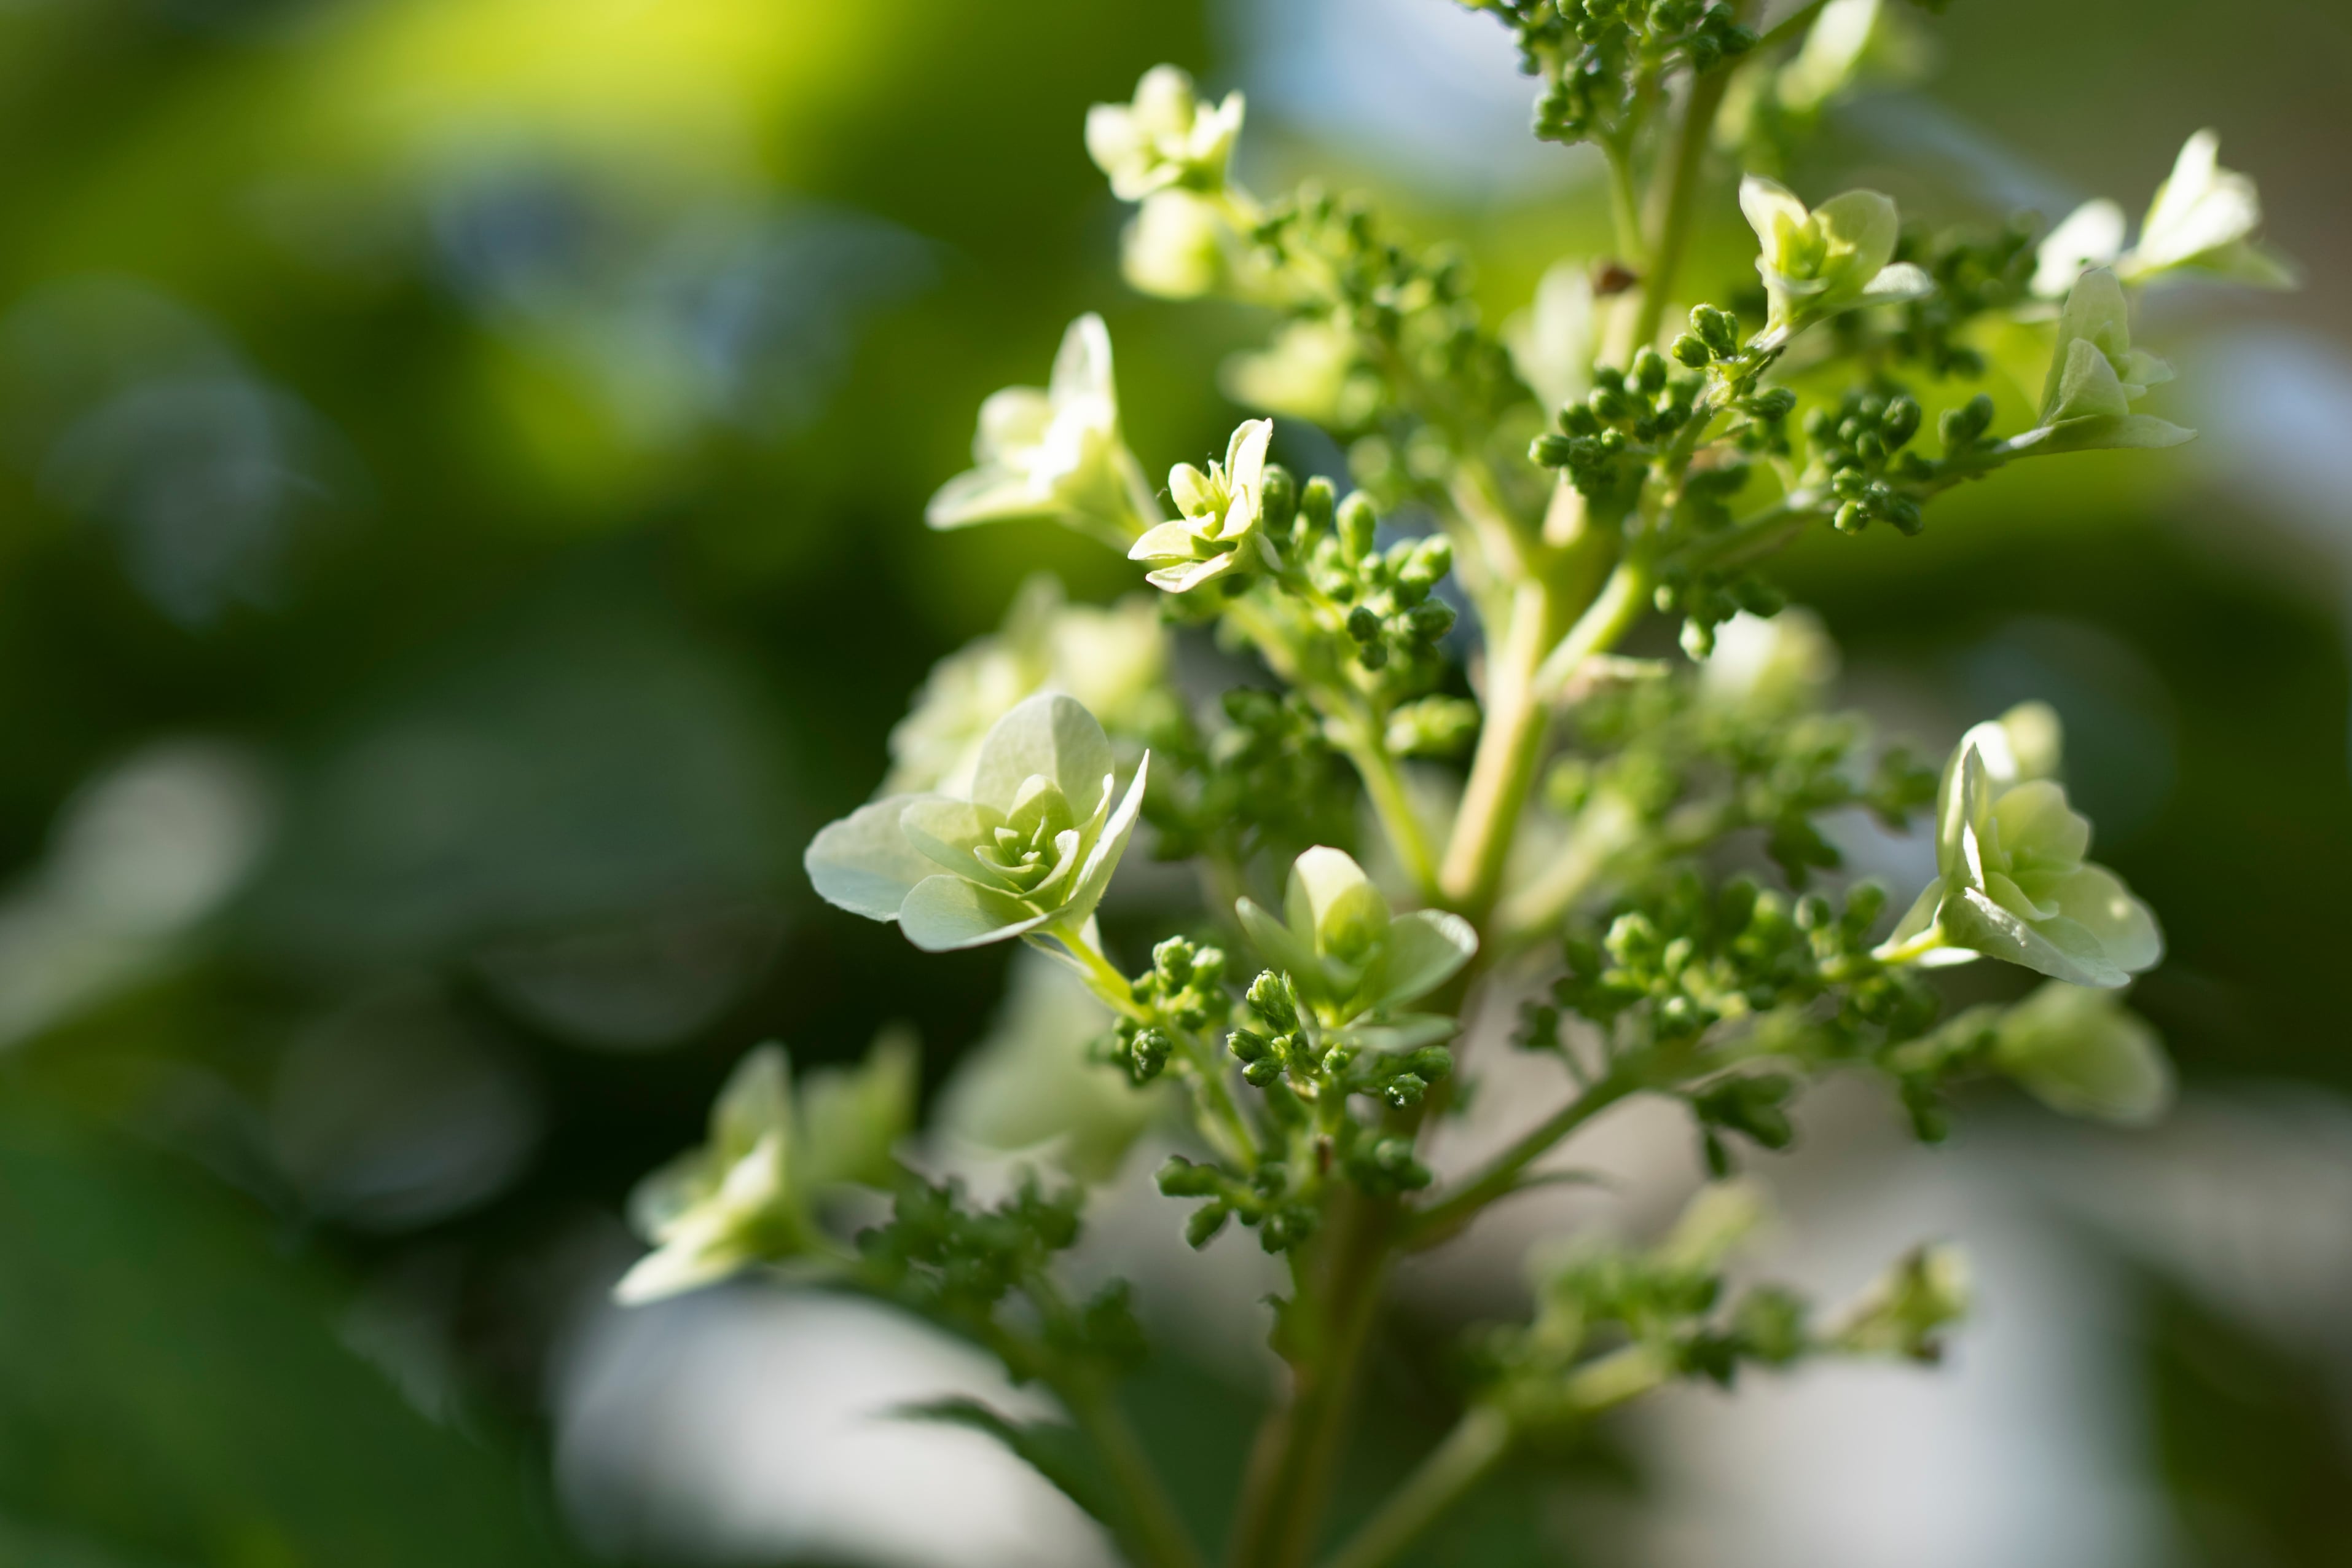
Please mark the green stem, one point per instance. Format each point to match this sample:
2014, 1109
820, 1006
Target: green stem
1298, 1451
1221, 1120
1449, 1214
1384, 783
1624, 206
1156, 1535
1468, 1457
1676, 197
1509, 746
1608, 618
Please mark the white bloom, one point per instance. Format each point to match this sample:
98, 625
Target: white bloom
2013, 882
1054, 453
1219, 532
1779, 663
745, 1197
1030, 848
2203, 220
1112, 661
1165, 137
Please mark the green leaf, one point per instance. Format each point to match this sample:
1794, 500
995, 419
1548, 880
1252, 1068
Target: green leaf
1052, 1448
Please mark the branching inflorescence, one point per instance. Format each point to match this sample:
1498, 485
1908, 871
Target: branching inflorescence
1387, 829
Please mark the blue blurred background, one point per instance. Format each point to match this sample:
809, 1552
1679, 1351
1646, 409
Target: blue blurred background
461, 472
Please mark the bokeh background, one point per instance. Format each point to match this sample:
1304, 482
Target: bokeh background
461, 469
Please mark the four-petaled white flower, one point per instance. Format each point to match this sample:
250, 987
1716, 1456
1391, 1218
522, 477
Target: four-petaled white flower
2203, 220
1029, 849
1342, 948
1219, 532
2094, 375
1820, 261
1112, 661
746, 1197
1165, 137
1055, 453
2012, 881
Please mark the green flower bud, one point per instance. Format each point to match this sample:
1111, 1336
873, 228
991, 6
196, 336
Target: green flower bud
2013, 882
1719, 330
1055, 453
1224, 511
1356, 524
1032, 848
2079, 1051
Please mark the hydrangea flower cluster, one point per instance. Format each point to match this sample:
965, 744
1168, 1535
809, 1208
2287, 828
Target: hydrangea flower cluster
1437, 792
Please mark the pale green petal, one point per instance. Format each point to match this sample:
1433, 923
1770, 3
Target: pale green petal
2130, 431
1081, 367
944, 913
1185, 579
1277, 947
2059, 948
756, 1104
1013, 420
1768, 205
1111, 843
1049, 735
863, 863
2039, 829
659, 1199
1331, 906
947, 832
2080, 1052
678, 1267
1167, 542
2084, 384
985, 495
851, 1117
1895, 285
1404, 1032
1861, 228
1425, 949
2125, 928
2091, 235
